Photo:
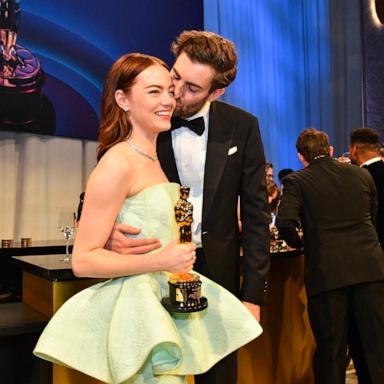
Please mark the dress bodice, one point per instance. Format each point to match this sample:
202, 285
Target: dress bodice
153, 210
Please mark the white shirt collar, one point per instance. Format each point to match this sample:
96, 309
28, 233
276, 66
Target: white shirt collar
370, 161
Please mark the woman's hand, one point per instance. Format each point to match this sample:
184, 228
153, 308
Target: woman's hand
178, 258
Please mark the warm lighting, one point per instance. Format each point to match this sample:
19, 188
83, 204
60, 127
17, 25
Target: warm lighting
375, 17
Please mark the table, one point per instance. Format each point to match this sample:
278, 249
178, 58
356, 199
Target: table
283, 353
47, 283
10, 276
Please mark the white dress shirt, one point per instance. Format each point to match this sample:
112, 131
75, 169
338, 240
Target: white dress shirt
190, 151
370, 161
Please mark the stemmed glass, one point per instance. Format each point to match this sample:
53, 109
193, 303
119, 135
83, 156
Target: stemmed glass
67, 227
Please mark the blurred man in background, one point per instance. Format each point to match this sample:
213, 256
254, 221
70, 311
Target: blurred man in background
344, 262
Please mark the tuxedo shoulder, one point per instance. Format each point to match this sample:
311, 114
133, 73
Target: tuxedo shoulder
377, 165
231, 111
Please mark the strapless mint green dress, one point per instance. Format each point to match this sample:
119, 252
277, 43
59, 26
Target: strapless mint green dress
118, 332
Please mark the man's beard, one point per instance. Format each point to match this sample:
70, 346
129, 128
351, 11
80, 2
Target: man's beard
186, 111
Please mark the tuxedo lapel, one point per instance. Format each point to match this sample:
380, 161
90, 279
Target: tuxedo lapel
219, 140
167, 157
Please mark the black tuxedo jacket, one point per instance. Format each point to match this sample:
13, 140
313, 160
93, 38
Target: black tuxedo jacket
336, 204
376, 170
234, 167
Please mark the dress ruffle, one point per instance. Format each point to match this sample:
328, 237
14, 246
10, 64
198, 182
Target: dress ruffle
118, 332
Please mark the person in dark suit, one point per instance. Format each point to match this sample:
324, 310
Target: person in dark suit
363, 151
344, 263
220, 157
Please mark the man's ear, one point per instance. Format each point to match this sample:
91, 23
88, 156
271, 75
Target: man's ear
122, 100
302, 159
331, 151
217, 93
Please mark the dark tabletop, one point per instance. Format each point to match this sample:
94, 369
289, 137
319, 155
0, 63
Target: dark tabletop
50, 267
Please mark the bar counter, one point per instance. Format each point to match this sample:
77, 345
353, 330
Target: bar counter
50, 267
47, 283
10, 275
281, 355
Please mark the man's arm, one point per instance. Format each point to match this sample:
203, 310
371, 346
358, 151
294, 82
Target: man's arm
255, 215
118, 242
288, 213
374, 198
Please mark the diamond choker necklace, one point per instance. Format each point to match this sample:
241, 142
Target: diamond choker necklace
140, 152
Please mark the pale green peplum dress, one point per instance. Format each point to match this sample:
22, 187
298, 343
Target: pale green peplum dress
118, 331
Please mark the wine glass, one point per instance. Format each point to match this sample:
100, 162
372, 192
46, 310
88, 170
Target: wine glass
67, 227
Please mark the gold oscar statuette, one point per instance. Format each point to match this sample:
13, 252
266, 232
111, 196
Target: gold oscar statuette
184, 288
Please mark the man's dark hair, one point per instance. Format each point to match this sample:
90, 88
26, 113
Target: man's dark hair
284, 172
312, 143
366, 138
212, 49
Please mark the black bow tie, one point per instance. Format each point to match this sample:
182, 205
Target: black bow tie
196, 125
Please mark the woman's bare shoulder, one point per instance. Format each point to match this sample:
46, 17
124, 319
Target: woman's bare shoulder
115, 166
